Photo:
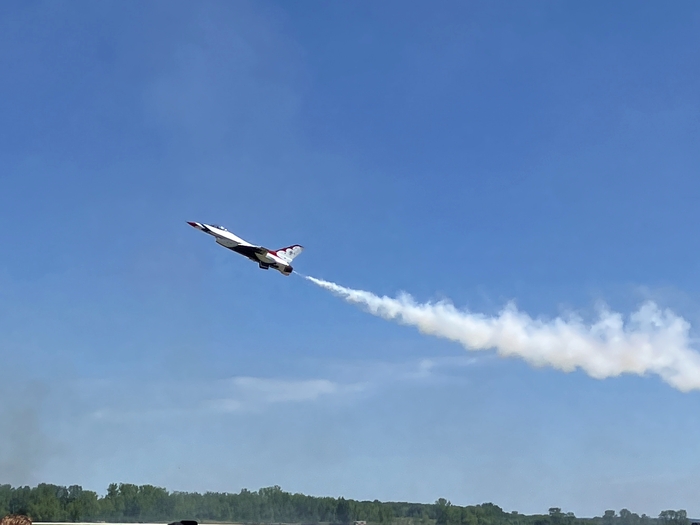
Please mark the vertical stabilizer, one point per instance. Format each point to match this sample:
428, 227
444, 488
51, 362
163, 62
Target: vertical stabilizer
287, 254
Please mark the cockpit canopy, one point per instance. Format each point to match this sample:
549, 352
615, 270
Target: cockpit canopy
219, 227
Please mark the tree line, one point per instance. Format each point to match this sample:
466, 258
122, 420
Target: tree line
130, 503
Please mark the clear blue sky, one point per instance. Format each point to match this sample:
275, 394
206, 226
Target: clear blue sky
542, 152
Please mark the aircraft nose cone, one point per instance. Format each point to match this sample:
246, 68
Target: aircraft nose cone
193, 224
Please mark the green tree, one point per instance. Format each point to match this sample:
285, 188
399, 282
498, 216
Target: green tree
45, 503
5, 497
556, 517
609, 517
342, 511
442, 514
673, 517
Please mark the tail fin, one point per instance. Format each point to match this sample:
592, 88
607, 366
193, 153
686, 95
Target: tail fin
287, 254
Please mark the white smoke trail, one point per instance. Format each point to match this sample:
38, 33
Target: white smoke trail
652, 341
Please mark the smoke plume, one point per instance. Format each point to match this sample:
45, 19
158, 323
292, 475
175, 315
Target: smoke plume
24, 446
650, 341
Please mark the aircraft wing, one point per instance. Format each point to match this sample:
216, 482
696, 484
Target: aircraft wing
229, 240
250, 250
232, 241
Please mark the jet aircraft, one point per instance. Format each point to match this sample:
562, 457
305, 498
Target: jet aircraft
279, 260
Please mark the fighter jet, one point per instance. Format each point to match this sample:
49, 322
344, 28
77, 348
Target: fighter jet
280, 259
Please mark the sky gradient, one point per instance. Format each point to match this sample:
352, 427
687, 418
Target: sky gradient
481, 152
